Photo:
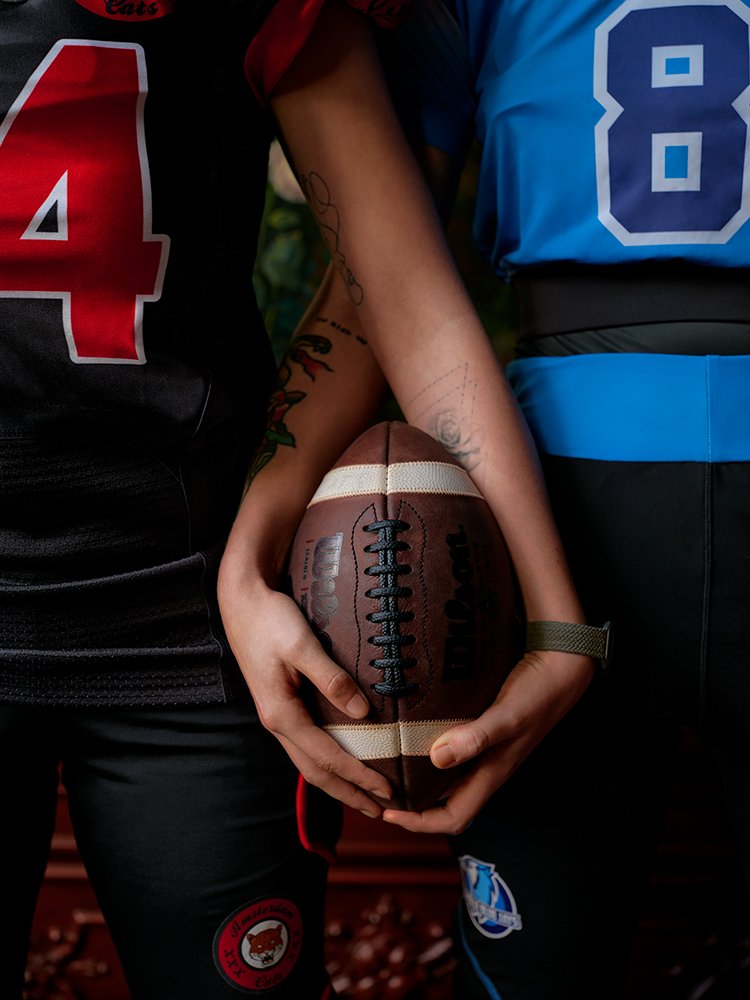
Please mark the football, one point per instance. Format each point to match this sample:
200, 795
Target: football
403, 573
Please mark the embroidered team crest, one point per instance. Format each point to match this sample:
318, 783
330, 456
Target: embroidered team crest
129, 10
489, 901
258, 945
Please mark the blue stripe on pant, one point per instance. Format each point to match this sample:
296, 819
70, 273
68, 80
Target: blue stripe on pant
637, 407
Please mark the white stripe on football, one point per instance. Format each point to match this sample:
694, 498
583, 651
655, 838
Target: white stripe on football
401, 477
379, 741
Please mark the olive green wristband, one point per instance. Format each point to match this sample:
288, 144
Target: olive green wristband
569, 637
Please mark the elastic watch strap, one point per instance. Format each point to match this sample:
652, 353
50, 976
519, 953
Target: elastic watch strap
569, 637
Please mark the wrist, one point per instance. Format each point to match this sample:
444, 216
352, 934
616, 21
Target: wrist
246, 568
571, 637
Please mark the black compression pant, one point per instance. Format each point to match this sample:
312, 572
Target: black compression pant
185, 818
554, 866
572, 832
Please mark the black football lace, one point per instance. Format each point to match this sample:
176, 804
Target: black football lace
390, 618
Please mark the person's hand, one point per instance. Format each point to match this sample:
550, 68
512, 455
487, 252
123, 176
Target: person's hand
277, 651
535, 696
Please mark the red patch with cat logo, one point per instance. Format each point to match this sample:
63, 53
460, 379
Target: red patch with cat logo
258, 945
129, 10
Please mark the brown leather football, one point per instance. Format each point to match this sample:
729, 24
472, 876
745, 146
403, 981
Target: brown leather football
403, 573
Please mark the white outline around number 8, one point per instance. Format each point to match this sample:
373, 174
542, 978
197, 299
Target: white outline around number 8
654, 177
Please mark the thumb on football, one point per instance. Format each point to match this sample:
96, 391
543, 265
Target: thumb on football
468, 741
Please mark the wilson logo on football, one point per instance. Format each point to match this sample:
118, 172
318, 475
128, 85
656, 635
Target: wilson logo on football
129, 10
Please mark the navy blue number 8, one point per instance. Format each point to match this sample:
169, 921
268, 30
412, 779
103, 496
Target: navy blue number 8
672, 148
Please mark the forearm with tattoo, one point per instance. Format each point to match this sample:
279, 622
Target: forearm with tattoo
446, 408
305, 354
283, 399
327, 216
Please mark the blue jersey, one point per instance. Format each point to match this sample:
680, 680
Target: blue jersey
613, 131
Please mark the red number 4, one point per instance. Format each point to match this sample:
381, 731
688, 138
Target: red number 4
75, 198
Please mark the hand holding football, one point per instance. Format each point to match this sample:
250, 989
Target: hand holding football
402, 571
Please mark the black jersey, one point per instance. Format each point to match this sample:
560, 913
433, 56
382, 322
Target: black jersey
133, 363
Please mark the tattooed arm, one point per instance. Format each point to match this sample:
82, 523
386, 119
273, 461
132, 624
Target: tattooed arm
285, 397
328, 389
386, 240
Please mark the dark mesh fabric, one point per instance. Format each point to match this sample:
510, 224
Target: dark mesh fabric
120, 473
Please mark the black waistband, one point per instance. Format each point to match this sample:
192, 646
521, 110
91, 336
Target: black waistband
683, 337
565, 298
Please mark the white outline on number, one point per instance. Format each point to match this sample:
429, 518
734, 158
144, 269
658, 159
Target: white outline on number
57, 196
613, 110
661, 54
692, 142
148, 235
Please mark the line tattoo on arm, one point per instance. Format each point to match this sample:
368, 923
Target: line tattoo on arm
341, 328
283, 399
327, 215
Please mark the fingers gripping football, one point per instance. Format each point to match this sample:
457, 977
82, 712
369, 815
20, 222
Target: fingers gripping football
275, 668
275, 663
537, 693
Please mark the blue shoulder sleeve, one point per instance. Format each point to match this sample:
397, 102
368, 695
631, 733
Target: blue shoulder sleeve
431, 78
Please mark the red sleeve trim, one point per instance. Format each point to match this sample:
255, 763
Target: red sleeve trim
287, 28
315, 846
279, 41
